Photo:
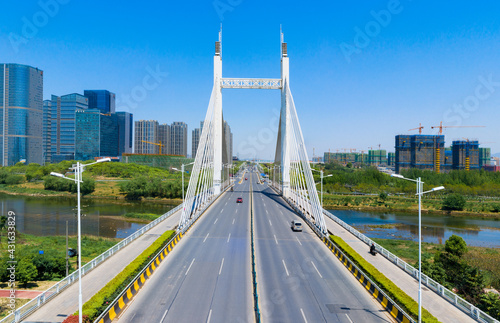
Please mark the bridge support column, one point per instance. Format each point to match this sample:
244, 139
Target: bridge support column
285, 126
218, 123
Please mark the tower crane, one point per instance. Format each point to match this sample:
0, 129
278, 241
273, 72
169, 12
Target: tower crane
419, 128
441, 127
154, 143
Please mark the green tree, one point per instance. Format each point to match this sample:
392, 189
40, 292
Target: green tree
490, 303
471, 284
25, 271
383, 196
454, 202
455, 245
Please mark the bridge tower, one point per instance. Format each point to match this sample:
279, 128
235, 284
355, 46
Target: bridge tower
208, 177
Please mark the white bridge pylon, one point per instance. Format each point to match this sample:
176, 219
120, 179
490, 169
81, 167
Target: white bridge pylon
210, 174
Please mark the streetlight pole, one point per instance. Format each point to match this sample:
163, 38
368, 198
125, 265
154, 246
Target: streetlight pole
420, 188
78, 179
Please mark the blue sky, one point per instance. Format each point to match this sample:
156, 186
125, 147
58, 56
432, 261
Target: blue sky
360, 72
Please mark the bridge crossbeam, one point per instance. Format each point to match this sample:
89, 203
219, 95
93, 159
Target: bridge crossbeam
251, 83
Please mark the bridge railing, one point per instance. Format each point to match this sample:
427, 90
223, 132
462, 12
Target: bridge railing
447, 294
30, 307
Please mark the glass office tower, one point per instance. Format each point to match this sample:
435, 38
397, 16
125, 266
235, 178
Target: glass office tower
21, 109
101, 99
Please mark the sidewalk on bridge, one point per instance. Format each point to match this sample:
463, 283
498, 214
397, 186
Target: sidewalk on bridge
66, 303
434, 303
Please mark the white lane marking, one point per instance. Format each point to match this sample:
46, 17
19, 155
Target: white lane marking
216, 220
233, 220
281, 212
229, 237
286, 269
316, 269
163, 317
236, 211
206, 237
270, 222
298, 241
209, 316
275, 239
189, 268
267, 212
225, 204
222, 264
303, 315
222, 210
349, 318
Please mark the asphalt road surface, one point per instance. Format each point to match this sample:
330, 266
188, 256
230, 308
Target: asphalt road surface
299, 278
207, 276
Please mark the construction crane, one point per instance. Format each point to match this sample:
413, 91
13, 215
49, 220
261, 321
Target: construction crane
441, 127
154, 143
419, 128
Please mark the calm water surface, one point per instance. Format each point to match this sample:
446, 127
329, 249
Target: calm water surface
47, 216
435, 228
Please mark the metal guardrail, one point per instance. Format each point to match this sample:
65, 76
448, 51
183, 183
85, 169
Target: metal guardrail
53, 291
254, 270
447, 294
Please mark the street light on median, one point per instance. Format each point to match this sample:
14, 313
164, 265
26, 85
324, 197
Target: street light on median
420, 187
78, 169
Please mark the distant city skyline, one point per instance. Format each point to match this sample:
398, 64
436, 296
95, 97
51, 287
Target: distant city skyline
361, 73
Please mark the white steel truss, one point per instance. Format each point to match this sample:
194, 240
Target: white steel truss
234, 83
210, 174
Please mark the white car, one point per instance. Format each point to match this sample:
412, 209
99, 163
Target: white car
296, 226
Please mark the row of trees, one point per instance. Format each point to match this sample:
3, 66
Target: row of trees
369, 180
33, 266
63, 185
144, 186
450, 270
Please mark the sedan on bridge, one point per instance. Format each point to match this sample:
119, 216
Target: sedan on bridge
239, 200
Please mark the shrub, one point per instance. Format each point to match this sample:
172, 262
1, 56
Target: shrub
25, 271
75, 319
495, 208
454, 202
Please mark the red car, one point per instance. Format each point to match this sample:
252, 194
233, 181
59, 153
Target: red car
239, 200
246, 178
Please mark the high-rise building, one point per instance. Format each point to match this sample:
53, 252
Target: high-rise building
62, 128
195, 141
178, 138
146, 130
21, 115
377, 157
484, 157
101, 99
420, 151
465, 154
125, 132
46, 131
96, 134
164, 138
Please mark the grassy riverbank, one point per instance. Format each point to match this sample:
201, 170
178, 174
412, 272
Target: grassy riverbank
486, 259
475, 207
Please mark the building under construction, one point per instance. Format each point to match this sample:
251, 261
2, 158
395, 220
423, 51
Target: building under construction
484, 157
420, 151
374, 157
465, 154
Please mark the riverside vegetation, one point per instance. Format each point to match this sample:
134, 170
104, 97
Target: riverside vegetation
468, 271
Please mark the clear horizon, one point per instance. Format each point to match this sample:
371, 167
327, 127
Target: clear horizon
360, 73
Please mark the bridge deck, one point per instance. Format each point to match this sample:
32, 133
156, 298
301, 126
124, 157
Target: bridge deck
435, 304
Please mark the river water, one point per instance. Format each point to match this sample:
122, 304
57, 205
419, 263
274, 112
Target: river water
435, 228
48, 215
